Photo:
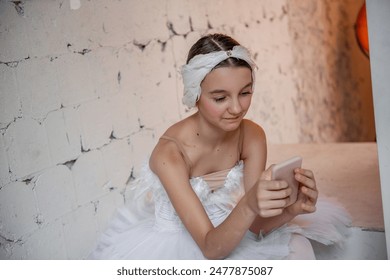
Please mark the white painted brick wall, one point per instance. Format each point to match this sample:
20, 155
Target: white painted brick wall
26, 144
155, 65
118, 161
47, 243
123, 114
4, 165
105, 207
90, 177
18, 211
63, 130
9, 99
14, 42
105, 65
95, 122
37, 88
86, 92
80, 231
74, 78
146, 139
55, 193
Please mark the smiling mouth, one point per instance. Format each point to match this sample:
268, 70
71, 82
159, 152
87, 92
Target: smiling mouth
232, 119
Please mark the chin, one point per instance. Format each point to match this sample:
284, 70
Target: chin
232, 126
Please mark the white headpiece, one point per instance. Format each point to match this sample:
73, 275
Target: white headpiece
200, 65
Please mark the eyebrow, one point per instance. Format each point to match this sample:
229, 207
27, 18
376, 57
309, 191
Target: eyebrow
222, 90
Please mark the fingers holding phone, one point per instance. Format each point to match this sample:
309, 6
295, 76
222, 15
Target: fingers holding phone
286, 186
271, 197
285, 171
308, 189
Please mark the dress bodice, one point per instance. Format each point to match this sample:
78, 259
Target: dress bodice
219, 192
224, 186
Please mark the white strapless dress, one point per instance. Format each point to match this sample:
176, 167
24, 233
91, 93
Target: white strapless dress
149, 228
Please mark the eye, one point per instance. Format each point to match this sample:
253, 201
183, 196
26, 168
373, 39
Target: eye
219, 99
246, 93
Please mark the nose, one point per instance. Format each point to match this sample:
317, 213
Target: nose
235, 107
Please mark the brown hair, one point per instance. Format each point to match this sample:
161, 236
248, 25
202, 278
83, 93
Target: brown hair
217, 42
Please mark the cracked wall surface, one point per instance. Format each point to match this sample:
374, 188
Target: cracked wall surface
86, 90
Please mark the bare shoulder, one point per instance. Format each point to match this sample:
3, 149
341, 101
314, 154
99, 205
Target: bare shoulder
252, 131
181, 129
254, 139
166, 156
166, 153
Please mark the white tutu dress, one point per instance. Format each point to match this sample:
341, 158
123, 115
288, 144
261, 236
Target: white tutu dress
149, 228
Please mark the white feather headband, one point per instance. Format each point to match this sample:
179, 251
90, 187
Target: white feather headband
200, 65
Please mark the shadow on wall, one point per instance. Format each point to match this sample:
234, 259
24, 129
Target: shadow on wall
333, 76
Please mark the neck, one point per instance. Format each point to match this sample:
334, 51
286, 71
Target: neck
210, 134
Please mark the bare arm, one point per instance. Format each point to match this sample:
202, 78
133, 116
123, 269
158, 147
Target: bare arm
254, 154
255, 157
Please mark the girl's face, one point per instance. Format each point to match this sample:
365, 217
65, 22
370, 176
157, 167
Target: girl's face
226, 96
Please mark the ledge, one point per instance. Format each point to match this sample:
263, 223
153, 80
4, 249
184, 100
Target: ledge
346, 172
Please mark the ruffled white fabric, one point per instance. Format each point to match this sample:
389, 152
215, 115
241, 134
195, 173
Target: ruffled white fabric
200, 65
149, 228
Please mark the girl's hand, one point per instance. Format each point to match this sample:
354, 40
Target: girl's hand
307, 193
269, 197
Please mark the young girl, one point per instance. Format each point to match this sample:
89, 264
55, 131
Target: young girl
205, 192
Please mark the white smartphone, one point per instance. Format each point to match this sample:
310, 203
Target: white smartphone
285, 171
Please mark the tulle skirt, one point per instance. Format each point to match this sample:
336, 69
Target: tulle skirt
130, 236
